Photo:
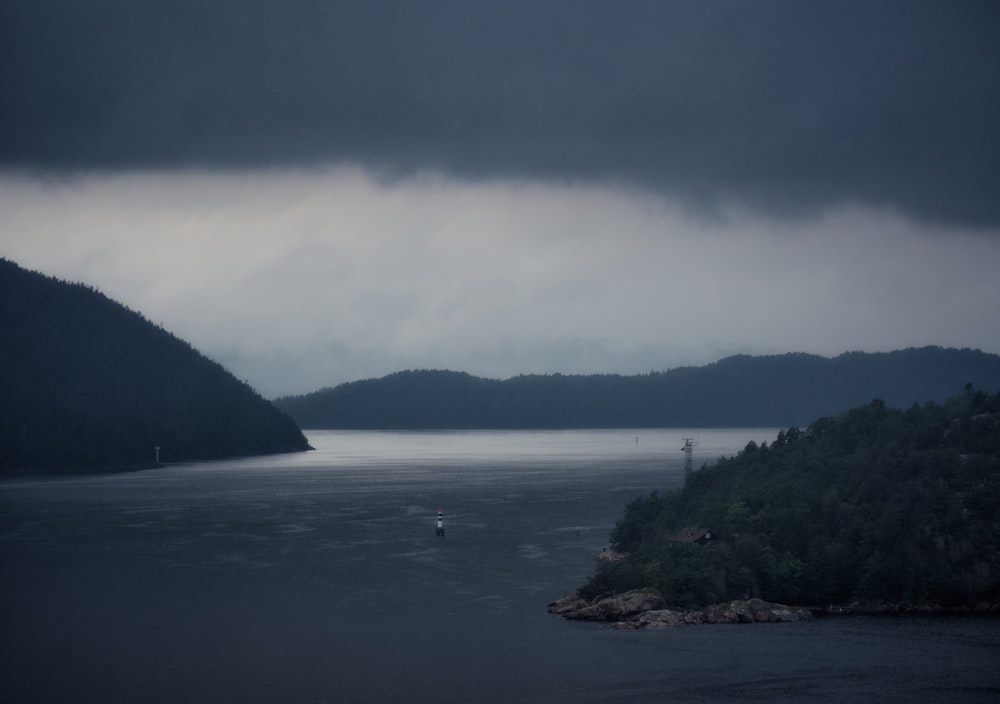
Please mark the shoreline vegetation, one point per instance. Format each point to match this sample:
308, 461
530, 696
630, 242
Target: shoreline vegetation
872, 511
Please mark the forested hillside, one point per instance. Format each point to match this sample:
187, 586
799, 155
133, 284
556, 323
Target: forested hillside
775, 391
86, 384
878, 506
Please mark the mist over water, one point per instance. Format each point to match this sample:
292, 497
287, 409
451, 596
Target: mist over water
317, 577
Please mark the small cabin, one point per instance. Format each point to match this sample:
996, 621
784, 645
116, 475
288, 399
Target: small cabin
692, 535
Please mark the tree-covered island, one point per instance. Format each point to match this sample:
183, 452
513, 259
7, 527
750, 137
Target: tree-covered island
876, 508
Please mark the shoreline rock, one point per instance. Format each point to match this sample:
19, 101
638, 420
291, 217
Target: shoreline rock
643, 609
883, 608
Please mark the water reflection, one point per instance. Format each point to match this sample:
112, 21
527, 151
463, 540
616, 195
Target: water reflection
317, 577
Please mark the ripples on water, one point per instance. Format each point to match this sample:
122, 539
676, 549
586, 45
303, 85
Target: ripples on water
316, 577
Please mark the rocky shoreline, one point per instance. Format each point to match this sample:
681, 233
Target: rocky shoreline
643, 609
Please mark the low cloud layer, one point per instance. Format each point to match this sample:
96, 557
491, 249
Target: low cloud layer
296, 280
783, 106
316, 192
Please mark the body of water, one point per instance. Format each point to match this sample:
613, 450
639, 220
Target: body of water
317, 577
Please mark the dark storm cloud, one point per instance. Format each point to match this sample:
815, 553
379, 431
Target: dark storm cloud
786, 105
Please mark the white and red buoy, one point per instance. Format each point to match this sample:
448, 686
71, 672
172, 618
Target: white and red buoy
439, 531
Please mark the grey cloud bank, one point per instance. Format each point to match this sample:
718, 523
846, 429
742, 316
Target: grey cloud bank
786, 106
296, 281
316, 192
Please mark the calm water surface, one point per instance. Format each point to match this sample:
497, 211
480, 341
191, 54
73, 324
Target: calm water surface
317, 577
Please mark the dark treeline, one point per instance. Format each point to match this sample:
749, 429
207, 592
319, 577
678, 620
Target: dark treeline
878, 506
86, 384
775, 391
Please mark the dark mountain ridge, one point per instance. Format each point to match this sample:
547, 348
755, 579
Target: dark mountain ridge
764, 391
87, 384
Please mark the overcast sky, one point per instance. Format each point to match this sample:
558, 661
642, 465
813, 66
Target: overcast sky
313, 193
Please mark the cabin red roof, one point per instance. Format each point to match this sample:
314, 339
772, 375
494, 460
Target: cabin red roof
692, 535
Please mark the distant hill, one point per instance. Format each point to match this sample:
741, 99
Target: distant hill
86, 384
768, 391
883, 507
